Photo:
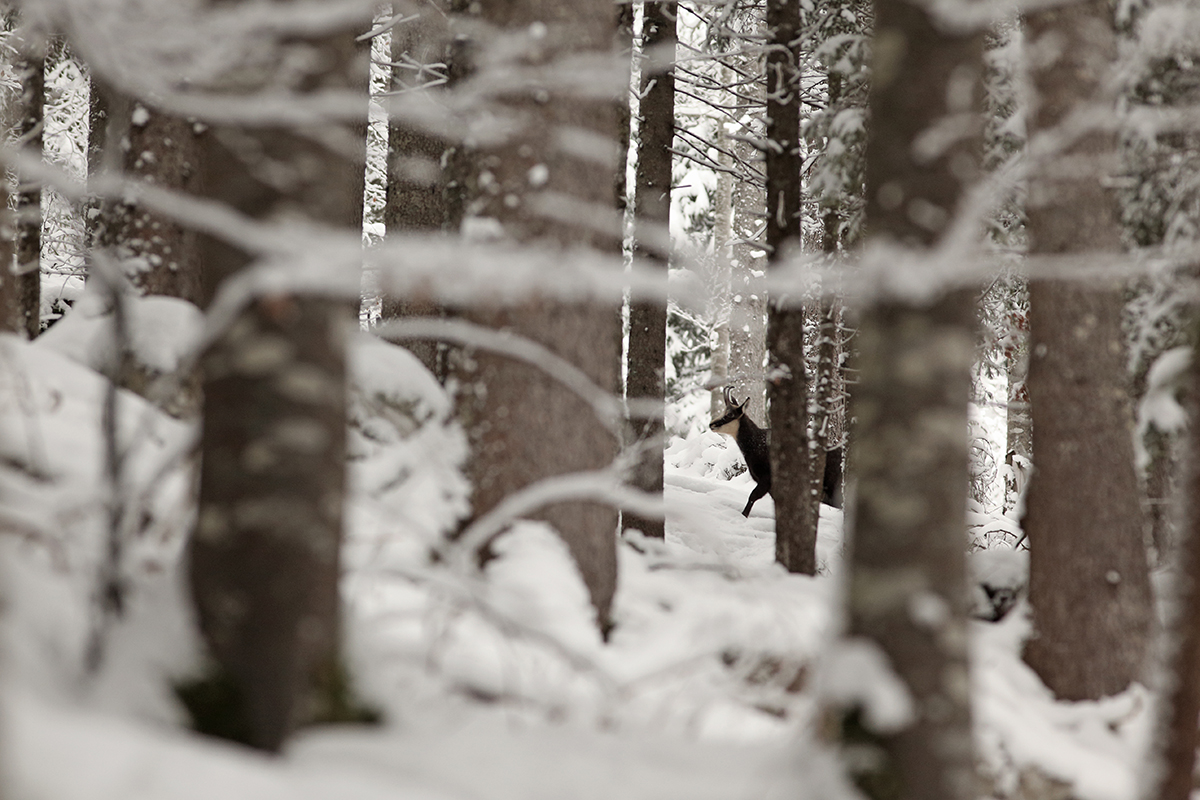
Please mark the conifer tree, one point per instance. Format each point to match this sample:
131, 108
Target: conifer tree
522, 425
906, 573
652, 211
1089, 580
793, 488
264, 558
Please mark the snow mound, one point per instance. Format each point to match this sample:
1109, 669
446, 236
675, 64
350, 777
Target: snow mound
163, 332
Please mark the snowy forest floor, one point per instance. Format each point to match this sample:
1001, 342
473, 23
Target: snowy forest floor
493, 684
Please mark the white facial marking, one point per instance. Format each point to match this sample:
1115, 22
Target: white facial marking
730, 428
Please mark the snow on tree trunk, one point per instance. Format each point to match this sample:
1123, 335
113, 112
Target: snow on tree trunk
1089, 585
521, 424
416, 184
652, 210
264, 559
792, 485
906, 574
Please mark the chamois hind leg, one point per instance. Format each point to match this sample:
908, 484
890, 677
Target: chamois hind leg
755, 495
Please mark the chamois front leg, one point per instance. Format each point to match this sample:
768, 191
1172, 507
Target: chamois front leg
755, 495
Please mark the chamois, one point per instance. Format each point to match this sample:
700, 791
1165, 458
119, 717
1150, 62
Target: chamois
755, 444
753, 441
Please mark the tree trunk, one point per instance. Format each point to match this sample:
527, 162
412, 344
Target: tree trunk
1018, 452
98, 156
158, 253
829, 408
828, 425
264, 557
722, 276
1178, 736
652, 212
906, 583
12, 317
416, 184
31, 67
1161, 501
523, 426
1088, 585
747, 297
1181, 704
792, 486
12, 301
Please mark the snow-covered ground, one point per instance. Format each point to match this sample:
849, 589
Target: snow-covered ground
494, 684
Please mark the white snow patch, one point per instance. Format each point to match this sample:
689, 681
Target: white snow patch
856, 673
163, 331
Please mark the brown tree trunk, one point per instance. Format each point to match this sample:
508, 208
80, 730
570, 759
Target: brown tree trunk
158, 253
652, 211
522, 425
1088, 585
792, 487
906, 583
416, 200
264, 558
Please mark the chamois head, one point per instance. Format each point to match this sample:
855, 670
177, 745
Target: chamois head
729, 422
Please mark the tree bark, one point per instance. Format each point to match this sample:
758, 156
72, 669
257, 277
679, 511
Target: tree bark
651, 216
1018, 452
828, 424
722, 276
747, 297
906, 583
416, 184
1178, 735
829, 408
12, 301
1088, 585
12, 317
159, 254
264, 560
792, 486
523, 426
25, 277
